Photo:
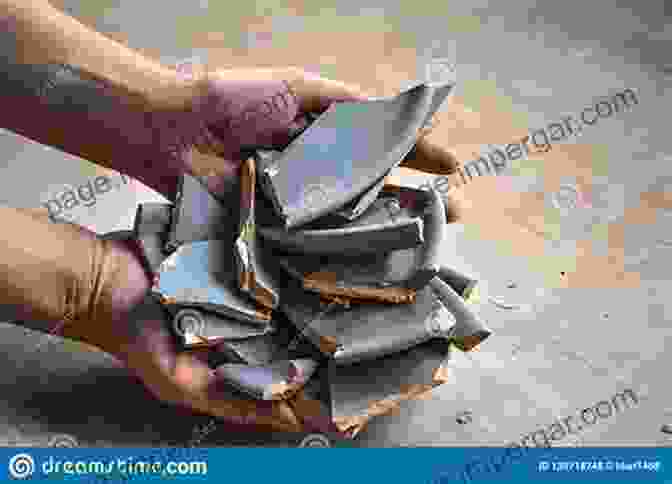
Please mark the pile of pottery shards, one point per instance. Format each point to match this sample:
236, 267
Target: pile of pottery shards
314, 274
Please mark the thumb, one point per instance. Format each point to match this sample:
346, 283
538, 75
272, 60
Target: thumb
315, 93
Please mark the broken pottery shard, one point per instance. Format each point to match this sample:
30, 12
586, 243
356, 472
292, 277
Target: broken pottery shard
392, 276
470, 330
434, 221
198, 216
377, 387
368, 331
360, 204
383, 227
303, 309
345, 152
257, 275
401, 234
258, 350
202, 274
150, 229
117, 235
152, 218
357, 207
261, 350
197, 328
461, 284
153, 250
275, 381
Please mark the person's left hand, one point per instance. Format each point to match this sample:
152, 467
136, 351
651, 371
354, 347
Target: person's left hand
234, 111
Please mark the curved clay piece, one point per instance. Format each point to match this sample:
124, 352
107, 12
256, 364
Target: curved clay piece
118, 235
384, 277
461, 284
202, 274
368, 331
275, 381
434, 230
152, 218
470, 330
255, 275
377, 387
321, 282
370, 232
401, 234
258, 350
199, 216
345, 152
150, 229
357, 207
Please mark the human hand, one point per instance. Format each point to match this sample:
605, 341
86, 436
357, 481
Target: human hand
94, 290
234, 111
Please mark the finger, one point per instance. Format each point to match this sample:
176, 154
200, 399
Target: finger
428, 127
203, 165
202, 389
313, 413
429, 157
277, 415
315, 93
453, 201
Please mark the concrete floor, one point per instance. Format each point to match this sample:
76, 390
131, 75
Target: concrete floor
593, 281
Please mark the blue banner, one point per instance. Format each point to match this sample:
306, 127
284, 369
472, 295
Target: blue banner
337, 465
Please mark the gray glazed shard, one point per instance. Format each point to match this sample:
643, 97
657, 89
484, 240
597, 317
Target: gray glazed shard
202, 275
357, 207
400, 234
345, 152
378, 229
261, 350
257, 275
198, 216
255, 351
363, 388
152, 218
275, 381
354, 275
150, 229
303, 310
469, 330
197, 328
462, 284
370, 331
117, 235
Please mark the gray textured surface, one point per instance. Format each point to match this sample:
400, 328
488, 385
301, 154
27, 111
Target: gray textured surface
554, 356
